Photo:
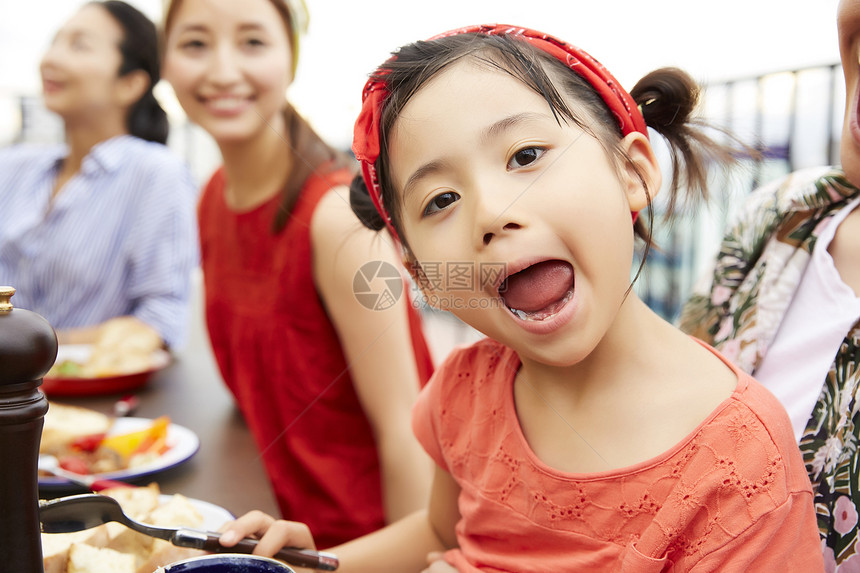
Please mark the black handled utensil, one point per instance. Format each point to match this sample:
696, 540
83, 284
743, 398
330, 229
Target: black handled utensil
79, 512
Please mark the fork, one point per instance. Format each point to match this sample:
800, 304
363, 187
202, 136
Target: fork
79, 512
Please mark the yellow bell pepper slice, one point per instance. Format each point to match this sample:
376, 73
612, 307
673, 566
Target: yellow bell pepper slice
138, 441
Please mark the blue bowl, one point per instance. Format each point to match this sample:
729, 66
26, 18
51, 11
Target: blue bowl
228, 563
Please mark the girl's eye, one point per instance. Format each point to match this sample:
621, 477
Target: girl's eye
440, 202
525, 157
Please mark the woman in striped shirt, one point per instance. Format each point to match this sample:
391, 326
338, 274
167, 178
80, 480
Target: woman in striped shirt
103, 226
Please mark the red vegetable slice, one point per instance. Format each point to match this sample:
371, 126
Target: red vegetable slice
74, 464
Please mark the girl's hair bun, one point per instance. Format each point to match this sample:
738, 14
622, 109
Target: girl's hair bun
666, 97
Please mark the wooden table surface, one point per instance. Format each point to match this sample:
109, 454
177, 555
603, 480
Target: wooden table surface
226, 470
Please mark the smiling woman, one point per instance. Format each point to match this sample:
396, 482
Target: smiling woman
324, 382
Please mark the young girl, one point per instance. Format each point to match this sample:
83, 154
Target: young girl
325, 383
586, 433
103, 226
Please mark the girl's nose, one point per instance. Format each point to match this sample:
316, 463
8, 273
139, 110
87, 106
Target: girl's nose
507, 227
496, 214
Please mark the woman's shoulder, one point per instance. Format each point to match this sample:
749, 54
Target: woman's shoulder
325, 195
327, 178
148, 154
801, 190
23, 155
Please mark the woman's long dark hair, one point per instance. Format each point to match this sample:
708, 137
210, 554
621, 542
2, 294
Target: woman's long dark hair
309, 153
139, 49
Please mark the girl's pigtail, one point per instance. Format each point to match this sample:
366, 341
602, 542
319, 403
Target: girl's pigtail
668, 98
362, 205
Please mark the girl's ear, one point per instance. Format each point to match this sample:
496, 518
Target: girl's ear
641, 171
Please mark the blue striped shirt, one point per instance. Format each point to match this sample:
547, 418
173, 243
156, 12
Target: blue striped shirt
120, 238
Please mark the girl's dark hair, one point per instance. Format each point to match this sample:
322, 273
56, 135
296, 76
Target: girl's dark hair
667, 98
139, 49
307, 154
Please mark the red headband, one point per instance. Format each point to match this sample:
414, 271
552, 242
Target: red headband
366, 135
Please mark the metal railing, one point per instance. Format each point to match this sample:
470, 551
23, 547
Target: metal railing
793, 118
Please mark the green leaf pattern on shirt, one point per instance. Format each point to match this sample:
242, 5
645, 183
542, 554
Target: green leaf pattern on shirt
759, 265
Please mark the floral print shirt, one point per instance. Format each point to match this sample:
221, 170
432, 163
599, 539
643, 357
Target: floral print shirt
739, 310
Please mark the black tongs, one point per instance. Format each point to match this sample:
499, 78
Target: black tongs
79, 512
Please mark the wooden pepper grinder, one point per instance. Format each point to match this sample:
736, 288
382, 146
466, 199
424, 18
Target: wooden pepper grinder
28, 348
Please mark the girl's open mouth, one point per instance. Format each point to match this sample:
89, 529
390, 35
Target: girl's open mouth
538, 292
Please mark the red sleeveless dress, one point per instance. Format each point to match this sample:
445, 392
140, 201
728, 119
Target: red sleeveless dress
279, 354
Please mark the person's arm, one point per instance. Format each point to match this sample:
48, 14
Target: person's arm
401, 547
92, 334
83, 335
377, 345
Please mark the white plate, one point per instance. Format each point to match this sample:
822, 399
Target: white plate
183, 445
214, 516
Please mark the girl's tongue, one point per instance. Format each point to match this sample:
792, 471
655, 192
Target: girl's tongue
537, 288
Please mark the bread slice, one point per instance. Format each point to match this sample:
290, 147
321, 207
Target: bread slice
65, 423
164, 554
176, 512
85, 558
62, 552
56, 546
136, 502
123, 345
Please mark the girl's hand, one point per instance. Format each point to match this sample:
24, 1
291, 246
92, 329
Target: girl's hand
437, 564
274, 534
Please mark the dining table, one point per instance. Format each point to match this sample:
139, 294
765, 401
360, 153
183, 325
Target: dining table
226, 470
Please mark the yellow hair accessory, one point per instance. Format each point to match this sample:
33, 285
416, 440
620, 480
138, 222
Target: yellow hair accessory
298, 26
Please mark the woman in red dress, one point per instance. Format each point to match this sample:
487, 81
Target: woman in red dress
325, 379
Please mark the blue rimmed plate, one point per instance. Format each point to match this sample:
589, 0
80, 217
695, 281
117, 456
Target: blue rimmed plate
183, 445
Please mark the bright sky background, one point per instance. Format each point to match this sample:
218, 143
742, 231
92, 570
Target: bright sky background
348, 38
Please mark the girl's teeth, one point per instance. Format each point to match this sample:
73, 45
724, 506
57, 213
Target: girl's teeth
522, 315
544, 314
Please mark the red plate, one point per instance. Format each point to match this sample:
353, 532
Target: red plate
53, 386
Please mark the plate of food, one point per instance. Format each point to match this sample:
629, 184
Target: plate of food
93, 550
70, 375
123, 357
87, 442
